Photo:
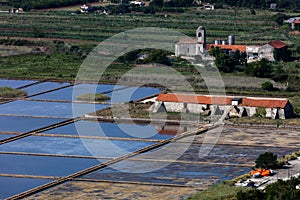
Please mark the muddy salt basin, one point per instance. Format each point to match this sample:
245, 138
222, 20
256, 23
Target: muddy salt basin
55, 146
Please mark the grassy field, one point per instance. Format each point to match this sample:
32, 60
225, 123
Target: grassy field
86, 30
249, 29
219, 191
14, 50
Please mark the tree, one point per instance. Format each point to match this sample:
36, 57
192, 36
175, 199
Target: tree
285, 190
215, 51
252, 194
158, 56
279, 18
266, 160
252, 12
224, 63
261, 68
267, 86
158, 3
37, 33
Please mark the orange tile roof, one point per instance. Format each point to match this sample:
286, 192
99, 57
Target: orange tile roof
222, 100
241, 48
265, 103
185, 98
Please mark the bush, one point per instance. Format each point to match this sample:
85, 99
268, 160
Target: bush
262, 69
285, 190
7, 92
279, 18
250, 194
252, 12
93, 97
266, 161
267, 86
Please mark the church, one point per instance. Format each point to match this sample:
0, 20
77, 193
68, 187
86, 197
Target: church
190, 47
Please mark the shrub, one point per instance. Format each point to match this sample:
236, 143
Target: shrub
266, 160
267, 86
93, 97
250, 194
7, 92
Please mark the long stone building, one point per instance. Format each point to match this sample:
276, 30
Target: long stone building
275, 108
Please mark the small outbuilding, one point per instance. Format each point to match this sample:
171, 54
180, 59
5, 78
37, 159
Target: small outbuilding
295, 25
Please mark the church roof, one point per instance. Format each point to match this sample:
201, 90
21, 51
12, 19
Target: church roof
188, 41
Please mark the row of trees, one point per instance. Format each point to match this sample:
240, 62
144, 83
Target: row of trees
286, 4
44, 4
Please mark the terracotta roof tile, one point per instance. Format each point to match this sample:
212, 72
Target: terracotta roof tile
222, 100
277, 44
265, 103
241, 48
297, 21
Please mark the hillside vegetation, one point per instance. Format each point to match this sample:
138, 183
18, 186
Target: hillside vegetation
67, 39
43, 4
7, 92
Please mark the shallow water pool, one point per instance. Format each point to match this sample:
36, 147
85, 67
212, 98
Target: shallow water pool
73, 146
132, 94
42, 87
43, 165
66, 93
15, 83
47, 109
90, 128
25, 124
10, 186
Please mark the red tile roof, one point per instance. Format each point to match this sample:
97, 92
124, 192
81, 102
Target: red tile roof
277, 44
222, 100
241, 48
265, 103
297, 21
194, 99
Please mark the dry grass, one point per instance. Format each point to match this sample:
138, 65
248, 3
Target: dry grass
14, 50
93, 97
267, 121
76, 7
7, 92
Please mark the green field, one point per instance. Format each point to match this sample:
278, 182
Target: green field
81, 33
249, 29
